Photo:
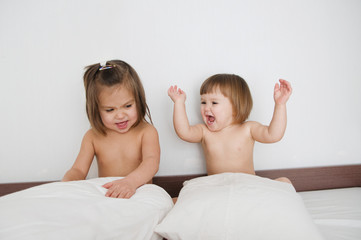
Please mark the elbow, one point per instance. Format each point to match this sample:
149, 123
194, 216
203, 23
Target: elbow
186, 134
155, 165
183, 137
156, 168
275, 134
276, 138
181, 134
74, 174
186, 138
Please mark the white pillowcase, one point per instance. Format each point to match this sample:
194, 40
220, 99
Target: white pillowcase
238, 206
79, 210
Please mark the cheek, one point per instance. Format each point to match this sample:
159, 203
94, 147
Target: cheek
134, 114
106, 118
203, 112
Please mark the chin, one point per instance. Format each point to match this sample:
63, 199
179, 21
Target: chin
212, 128
123, 130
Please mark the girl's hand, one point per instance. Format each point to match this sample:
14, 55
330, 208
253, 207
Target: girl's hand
121, 188
176, 94
282, 92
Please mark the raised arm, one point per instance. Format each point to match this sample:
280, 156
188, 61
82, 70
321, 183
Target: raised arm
81, 166
180, 120
277, 127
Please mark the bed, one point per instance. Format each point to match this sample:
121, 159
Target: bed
331, 195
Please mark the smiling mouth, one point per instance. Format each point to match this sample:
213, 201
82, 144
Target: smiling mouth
122, 125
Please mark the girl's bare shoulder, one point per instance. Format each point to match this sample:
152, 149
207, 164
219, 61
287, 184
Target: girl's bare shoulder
90, 134
203, 128
251, 126
93, 134
145, 127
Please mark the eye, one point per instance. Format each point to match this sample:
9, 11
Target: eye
128, 106
203, 102
214, 102
109, 110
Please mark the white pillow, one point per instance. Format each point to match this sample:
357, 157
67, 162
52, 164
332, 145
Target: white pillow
79, 210
238, 206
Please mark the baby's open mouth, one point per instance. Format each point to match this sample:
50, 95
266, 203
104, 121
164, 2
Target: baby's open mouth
210, 119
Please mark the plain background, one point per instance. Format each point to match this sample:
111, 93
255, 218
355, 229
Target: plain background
45, 45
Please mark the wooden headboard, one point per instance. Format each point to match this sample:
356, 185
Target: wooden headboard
303, 179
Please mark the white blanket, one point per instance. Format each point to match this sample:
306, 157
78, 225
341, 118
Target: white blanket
336, 212
79, 210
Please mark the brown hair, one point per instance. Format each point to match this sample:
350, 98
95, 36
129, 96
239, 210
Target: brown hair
235, 89
114, 72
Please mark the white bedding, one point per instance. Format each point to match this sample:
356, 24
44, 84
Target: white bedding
79, 210
39, 212
238, 206
336, 212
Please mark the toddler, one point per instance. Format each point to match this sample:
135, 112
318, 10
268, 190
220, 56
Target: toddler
226, 137
120, 138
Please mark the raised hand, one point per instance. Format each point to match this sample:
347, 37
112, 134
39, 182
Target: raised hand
121, 188
176, 94
282, 92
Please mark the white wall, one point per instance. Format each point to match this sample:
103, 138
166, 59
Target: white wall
44, 46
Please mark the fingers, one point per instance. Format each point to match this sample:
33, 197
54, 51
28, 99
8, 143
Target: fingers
171, 90
277, 87
107, 185
175, 90
176, 94
119, 189
285, 85
282, 91
119, 193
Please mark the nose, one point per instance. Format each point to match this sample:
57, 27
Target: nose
119, 114
207, 107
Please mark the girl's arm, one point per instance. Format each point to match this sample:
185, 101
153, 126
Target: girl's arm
81, 166
126, 187
275, 131
180, 120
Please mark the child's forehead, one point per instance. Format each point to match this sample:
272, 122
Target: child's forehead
116, 92
215, 92
213, 96
115, 89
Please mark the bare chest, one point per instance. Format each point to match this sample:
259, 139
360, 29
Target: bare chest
233, 144
232, 152
118, 149
118, 156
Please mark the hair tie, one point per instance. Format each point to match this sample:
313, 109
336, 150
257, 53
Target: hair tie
104, 66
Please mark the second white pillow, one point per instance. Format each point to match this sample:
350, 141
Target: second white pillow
238, 206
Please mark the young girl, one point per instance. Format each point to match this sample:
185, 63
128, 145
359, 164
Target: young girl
124, 143
226, 137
